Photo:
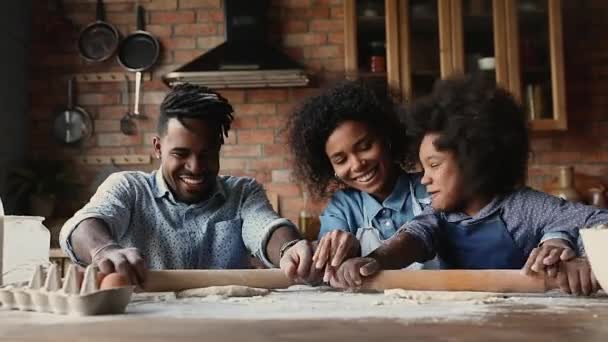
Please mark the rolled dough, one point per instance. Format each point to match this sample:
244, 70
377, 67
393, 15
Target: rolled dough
223, 291
458, 296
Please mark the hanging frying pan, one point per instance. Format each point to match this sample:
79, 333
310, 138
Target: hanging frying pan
138, 52
72, 124
99, 40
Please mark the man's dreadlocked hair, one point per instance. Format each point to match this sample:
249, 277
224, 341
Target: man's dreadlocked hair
189, 101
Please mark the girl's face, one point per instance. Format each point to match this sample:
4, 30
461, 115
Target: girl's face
444, 182
442, 176
361, 159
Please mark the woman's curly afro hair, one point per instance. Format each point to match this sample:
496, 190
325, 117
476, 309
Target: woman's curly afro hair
484, 127
314, 121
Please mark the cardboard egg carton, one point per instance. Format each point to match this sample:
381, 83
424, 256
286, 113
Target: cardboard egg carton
47, 292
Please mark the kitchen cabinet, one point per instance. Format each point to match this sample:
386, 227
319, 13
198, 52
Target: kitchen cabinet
516, 43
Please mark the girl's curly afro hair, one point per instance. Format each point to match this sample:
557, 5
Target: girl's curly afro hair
314, 121
484, 127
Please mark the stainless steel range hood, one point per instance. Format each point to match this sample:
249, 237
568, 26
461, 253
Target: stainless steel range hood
245, 59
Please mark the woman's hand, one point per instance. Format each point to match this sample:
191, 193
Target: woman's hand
333, 248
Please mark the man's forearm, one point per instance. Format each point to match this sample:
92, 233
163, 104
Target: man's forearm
90, 235
399, 251
278, 238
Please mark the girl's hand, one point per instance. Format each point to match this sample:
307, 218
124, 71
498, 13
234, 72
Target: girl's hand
351, 273
547, 256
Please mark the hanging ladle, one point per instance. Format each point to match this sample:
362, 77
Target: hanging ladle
127, 125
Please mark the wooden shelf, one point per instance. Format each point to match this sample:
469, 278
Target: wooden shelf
547, 125
127, 159
110, 77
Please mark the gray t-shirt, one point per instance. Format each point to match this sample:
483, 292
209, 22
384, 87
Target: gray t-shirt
530, 216
221, 232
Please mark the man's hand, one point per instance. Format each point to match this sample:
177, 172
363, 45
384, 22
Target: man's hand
350, 274
127, 261
546, 257
335, 247
575, 277
297, 263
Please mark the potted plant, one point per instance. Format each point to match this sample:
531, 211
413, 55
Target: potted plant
37, 184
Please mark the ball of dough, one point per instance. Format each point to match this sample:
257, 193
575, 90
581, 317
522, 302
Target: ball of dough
223, 291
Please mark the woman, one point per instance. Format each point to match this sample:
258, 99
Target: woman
349, 145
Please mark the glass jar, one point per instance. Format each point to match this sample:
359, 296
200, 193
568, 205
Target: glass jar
487, 68
597, 198
566, 188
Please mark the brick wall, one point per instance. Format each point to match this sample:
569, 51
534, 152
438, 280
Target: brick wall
311, 31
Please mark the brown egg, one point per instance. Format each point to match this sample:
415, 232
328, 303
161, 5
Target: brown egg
99, 278
114, 280
80, 277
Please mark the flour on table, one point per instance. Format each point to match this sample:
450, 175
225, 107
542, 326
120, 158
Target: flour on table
447, 296
308, 288
157, 297
223, 291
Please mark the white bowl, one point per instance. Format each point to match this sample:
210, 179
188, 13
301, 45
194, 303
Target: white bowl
596, 247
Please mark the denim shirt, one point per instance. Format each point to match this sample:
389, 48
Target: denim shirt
347, 208
221, 232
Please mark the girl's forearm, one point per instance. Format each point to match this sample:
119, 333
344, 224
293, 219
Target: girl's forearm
399, 251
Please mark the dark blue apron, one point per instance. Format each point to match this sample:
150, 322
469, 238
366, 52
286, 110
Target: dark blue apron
483, 245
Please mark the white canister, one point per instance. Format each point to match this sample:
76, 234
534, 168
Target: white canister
1, 239
25, 244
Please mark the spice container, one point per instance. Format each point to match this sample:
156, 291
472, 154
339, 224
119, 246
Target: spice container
377, 61
597, 197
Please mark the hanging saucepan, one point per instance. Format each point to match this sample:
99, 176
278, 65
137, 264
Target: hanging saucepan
72, 124
138, 52
99, 40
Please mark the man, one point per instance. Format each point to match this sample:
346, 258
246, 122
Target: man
183, 215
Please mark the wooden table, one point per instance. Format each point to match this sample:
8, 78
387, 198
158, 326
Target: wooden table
578, 320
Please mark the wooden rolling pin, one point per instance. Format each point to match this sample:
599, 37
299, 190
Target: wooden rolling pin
427, 280
460, 280
175, 280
